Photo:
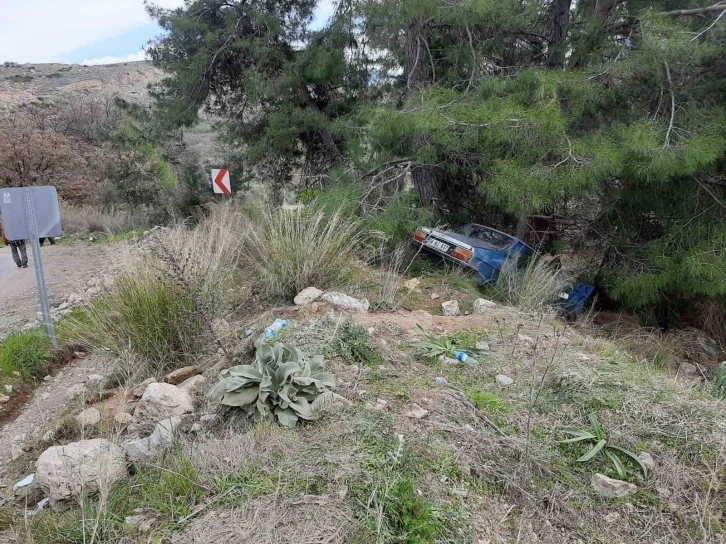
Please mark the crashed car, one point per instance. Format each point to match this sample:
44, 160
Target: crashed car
484, 251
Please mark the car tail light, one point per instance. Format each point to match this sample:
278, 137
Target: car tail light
462, 254
419, 236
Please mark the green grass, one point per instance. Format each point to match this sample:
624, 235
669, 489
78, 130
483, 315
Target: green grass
486, 401
27, 353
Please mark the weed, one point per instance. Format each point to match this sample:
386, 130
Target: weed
598, 439
410, 518
537, 285
718, 381
27, 353
290, 250
147, 314
447, 346
353, 344
487, 401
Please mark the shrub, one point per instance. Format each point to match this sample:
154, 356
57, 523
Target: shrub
353, 344
718, 381
25, 352
537, 285
409, 516
279, 384
289, 250
147, 314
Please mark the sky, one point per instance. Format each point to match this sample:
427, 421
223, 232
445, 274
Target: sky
86, 31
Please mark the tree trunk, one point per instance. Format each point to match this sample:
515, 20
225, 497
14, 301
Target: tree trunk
558, 25
424, 176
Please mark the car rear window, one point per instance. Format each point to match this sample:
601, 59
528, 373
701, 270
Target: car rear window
485, 234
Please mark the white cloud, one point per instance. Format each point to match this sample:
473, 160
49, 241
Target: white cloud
43, 30
131, 57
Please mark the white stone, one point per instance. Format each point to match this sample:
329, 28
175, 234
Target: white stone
88, 417
482, 346
16, 451
67, 471
341, 300
434, 296
687, 369
647, 460
503, 380
308, 295
192, 384
611, 488
451, 308
412, 284
482, 305
163, 400
160, 440
75, 391
96, 380
414, 411
4, 399
74, 298
526, 339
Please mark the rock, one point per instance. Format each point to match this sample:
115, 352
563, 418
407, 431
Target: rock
612, 517
307, 295
341, 300
414, 411
8, 388
160, 440
380, 405
451, 308
75, 391
49, 436
440, 381
482, 346
74, 298
192, 384
443, 359
314, 307
647, 460
710, 347
208, 418
16, 451
96, 380
4, 399
412, 284
145, 528
196, 428
92, 292
525, 339
482, 305
64, 306
89, 417
182, 374
434, 296
611, 488
138, 391
503, 380
47, 378
123, 418
163, 400
687, 369
67, 471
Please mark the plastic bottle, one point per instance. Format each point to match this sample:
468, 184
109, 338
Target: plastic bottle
277, 326
464, 358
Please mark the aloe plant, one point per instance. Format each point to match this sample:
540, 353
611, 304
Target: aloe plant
279, 384
434, 347
597, 436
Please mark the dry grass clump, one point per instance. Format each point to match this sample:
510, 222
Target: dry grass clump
92, 219
532, 288
289, 250
272, 520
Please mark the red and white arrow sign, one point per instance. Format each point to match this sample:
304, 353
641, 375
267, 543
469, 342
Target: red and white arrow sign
220, 182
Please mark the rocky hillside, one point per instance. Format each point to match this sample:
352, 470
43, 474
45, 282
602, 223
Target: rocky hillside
24, 84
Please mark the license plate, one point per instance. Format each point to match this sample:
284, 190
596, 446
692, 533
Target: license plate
438, 245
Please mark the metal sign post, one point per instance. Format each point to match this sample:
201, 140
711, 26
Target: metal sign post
33, 213
38, 266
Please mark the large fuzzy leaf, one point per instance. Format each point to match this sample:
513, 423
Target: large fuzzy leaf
241, 398
287, 418
264, 354
236, 383
246, 371
302, 408
318, 363
325, 379
285, 370
217, 392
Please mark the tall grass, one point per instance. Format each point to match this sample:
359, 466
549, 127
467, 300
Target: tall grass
532, 288
289, 250
145, 314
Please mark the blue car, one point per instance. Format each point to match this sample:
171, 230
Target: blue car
484, 251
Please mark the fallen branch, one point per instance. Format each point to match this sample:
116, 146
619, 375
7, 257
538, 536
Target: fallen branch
694, 11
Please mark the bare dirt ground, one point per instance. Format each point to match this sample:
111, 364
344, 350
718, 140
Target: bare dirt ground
67, 270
